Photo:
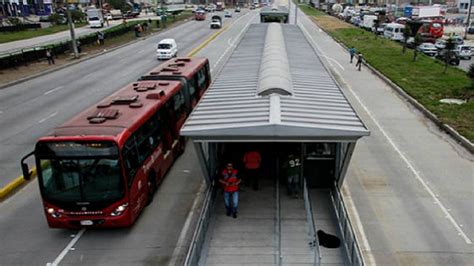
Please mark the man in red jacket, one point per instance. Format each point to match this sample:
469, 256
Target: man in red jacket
231, 182
252, 161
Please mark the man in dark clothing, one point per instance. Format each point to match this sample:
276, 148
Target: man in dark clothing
100, 38
359, 61
292, 167
49, 56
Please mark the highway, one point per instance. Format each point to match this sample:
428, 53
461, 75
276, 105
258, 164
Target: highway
409, 189
33, 108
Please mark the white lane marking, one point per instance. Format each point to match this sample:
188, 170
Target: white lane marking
48, 117
67, 248
410, 166
53, 90
182, 236
365, 246
320, 51
232, 44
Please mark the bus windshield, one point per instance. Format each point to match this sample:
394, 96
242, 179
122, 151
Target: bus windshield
80, 172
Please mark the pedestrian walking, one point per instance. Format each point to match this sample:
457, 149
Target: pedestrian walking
230, 181
360, 58
78, 45
100, 38
137, 30
352, 52
292, 167
252, 161
49, 56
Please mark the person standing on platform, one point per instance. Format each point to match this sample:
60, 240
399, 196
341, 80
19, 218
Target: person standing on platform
252, 161
292, 167
230, 181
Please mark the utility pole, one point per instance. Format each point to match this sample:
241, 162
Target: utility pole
468, 22
296, 14
71, 30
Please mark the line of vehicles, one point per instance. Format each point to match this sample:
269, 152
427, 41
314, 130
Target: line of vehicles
425, 22
103, 166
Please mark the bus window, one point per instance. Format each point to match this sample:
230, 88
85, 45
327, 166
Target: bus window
148, 138
168, 122
201, 75
192, 88
179, 105
130, 158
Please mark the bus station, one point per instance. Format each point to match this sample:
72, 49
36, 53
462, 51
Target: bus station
275, 96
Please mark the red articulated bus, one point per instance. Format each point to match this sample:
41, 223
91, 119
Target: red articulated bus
102, 167
194, 74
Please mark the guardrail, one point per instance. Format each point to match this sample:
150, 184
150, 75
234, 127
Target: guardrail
345, 226
312, 225
192, 257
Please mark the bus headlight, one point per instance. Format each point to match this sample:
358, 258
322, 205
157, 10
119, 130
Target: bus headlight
119, 210
53, 213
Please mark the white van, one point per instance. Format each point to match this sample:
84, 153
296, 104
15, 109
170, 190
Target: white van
167, 48
394, 32
368, 22
95, 22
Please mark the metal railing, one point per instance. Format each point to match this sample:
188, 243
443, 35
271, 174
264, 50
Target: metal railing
194, 251
312, 225
353, 250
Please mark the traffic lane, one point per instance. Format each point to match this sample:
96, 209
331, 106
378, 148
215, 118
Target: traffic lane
227, 40
152, 240
464, 64
438, 165
33, 108
26, 238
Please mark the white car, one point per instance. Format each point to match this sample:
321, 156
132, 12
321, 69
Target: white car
95, 22
464, 51
228, 14
167, 48
428, 49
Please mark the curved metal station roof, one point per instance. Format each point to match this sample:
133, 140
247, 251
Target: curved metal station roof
235, 109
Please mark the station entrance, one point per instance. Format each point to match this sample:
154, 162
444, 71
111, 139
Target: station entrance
320, 163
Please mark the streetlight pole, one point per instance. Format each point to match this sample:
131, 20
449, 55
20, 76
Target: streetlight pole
71, 30
468, 22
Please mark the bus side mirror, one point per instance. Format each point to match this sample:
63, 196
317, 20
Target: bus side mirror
24, 167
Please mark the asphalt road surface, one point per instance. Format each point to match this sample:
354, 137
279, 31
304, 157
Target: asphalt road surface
33, 108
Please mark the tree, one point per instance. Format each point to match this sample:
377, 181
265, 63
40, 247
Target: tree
117, 4
470, 91
450, 45
418, 41
470, 74
406, 35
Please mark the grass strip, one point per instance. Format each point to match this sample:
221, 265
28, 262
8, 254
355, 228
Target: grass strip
423, 79
32, 33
